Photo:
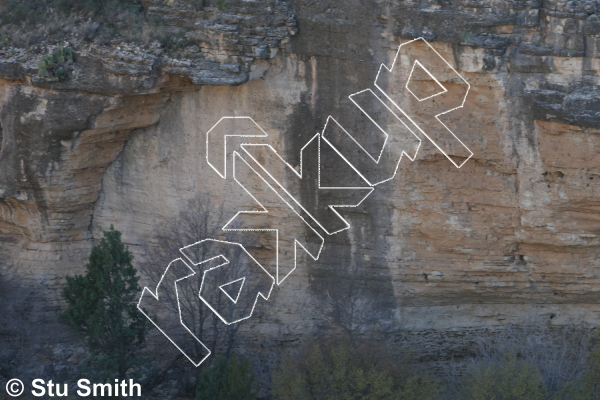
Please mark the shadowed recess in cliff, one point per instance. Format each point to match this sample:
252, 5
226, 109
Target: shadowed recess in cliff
351, 278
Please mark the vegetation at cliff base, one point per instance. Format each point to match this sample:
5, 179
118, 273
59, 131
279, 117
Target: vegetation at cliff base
346, 370
102, 308
226, 380
510, 378
517, 364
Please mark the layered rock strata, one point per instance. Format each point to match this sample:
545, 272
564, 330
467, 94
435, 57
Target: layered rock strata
442, 253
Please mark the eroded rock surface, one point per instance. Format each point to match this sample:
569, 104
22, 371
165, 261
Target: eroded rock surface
509, 238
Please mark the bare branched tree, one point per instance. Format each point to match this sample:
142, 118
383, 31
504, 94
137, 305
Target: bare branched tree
202, 219
355, 301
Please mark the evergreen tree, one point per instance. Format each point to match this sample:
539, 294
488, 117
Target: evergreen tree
102, 308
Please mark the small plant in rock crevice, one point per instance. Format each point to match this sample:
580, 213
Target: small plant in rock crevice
5, 41
5, 46
56, 65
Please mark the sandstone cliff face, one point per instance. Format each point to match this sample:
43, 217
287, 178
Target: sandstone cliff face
443, 252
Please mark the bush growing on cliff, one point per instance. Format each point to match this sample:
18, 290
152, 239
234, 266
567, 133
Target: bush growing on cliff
102, 308
56, 65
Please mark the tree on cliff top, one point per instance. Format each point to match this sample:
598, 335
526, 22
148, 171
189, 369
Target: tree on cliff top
102, 308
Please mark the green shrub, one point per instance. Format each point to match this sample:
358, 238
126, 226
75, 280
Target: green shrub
226, 380
289, 381
417, 388
467, 37
345, 372
591, 378
173, 43
5, 42
507, 378
56, 65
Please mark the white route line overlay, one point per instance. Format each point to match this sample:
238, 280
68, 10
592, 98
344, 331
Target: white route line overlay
437, 116
178, 307
219, 266
224, 174
444, 90
237, 156
373, 121
300, 175
404, 153
237, 297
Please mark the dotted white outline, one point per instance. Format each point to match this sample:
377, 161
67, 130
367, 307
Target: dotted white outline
237, 156
300, 174
437, 116
373, 121
402, 154
219, 266
208, 152
146, 290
